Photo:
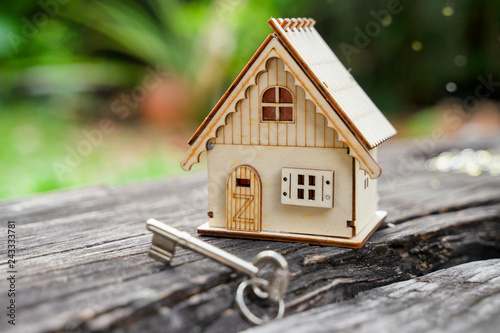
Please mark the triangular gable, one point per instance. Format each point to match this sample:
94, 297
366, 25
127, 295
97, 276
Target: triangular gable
273, 48
335, 82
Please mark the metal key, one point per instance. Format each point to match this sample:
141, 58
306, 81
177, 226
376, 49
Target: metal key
163, 245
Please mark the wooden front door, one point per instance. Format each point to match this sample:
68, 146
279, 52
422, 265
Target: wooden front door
243, 199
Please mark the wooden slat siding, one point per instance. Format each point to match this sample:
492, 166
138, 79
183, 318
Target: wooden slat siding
281, 128
272, 80
272, 70
310, 122
243, 108
220, 135
236, 125
228, 129
253, 105
263, 126
320, 130
301, 117
308, 129
329, 135
292, 128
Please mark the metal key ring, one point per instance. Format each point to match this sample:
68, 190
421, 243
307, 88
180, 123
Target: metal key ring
279, 263
244, 308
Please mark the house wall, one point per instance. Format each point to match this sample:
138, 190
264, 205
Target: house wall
308, 129
268, 161
366, 195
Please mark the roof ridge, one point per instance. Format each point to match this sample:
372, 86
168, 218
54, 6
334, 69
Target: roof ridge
298, 23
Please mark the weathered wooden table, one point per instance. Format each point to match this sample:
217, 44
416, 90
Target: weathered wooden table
82, 264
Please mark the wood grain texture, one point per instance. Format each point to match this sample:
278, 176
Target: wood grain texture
83, 264
244, 203
308, 128
464, 298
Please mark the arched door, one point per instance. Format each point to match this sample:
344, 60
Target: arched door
244, 199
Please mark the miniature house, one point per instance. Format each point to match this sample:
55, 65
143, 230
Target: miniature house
291, 147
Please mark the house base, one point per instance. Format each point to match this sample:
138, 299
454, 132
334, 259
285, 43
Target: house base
356, 242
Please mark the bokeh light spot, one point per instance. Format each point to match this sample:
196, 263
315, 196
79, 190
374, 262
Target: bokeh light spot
451, 87
467, 161
416, 46
448, 11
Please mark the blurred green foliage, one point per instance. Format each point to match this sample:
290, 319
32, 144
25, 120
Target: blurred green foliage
32, 141
63, 64
97, 45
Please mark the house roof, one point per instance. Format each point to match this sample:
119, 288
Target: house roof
228, 92
358, 121
335, 82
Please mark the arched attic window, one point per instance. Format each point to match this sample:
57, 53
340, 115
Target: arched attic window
277, 104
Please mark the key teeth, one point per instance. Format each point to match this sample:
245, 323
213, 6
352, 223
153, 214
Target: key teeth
161, 255
162, 248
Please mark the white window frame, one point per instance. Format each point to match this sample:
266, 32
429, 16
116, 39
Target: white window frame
321, 191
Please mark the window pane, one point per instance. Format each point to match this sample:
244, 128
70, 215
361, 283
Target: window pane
300, 193
269, 113
300, 179
285, 96
243, 182
286, 114
312, 194
312, 180
269, 96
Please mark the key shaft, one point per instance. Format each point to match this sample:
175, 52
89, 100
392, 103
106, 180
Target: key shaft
166, 237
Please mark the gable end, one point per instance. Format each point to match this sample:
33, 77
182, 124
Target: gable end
272, 48
304, 127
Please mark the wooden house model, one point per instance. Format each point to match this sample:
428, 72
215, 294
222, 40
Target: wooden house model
291, 147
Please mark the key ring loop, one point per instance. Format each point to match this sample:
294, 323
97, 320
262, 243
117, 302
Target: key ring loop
279, 277
244, 308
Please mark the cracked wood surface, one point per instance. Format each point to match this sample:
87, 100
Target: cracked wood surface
464, 298
83, 264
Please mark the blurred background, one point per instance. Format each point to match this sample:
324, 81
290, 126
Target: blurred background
109, 92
